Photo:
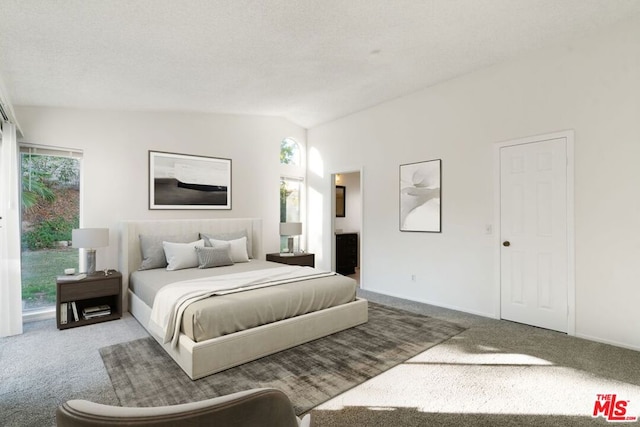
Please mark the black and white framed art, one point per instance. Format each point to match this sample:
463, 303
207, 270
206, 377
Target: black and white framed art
420, 191
184, 181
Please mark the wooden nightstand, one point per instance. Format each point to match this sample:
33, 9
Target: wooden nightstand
303, 259
94, 291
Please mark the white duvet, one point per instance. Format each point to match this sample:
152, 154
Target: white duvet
171, 301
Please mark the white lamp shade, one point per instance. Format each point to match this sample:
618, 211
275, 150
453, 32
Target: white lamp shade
290, 228
90, 238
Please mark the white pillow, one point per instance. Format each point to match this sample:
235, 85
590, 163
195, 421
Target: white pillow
181, 255
238, 248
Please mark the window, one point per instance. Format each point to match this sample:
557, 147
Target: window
50, 210
291, 185
290, 191
290, 152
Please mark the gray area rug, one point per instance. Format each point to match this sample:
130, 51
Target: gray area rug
142, 373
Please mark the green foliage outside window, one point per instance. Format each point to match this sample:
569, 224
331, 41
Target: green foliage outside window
41, 174
288, 150
36, 187
45, 234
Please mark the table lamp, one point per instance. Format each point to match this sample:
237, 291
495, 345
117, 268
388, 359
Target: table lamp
290, 229
90, 239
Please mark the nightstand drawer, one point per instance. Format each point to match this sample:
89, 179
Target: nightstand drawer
83, 290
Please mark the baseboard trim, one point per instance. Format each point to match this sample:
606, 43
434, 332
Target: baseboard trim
606, 341
434, 303
491, 316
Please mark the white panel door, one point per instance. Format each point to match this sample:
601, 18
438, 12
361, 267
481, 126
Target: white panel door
533, 216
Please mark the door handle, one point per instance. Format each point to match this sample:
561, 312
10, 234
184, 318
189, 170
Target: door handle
506, 243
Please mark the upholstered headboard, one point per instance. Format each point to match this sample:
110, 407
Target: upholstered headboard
131, 257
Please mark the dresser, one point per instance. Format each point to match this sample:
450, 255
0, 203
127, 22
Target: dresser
346, 253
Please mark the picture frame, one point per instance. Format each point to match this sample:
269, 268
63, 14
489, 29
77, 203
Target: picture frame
341, 195
420, 196
186, 181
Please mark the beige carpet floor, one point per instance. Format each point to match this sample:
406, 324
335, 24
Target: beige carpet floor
495, 373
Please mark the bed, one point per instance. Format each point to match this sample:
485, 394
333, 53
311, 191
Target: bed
264, 324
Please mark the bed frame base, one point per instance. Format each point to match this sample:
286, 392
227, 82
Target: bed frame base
208, 357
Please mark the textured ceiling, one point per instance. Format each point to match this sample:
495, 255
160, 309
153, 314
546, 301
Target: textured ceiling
307, 61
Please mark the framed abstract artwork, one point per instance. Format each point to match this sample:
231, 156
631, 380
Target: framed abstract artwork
184, 181
420, 191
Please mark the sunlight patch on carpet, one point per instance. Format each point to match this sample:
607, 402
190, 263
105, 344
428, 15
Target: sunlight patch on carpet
482, 389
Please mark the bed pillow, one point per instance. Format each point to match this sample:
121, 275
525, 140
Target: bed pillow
181, 255
238, 248
152, 251
233, 235
209, 257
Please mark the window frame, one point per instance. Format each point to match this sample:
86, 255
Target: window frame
26, 148
295, 172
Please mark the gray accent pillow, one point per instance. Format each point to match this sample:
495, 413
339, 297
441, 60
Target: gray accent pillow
209, 257
152, 251
234, 235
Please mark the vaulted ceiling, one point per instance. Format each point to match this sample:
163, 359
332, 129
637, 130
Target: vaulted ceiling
310, 61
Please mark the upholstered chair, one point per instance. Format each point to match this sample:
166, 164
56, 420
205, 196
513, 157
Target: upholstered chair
264, 407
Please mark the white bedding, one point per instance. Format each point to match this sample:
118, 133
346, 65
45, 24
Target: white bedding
172, 300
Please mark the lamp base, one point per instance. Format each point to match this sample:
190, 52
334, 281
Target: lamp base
90, 261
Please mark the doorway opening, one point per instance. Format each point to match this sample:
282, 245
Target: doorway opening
50, 210
347, 224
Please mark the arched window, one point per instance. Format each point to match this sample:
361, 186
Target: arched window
292, 174
290, 152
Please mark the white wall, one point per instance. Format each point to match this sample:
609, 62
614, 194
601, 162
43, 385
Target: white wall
591, 85
115, 165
